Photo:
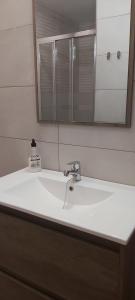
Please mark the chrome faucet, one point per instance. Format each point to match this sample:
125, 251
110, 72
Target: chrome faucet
75, 170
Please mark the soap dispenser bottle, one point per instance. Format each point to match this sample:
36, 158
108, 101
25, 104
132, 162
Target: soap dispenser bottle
34, 159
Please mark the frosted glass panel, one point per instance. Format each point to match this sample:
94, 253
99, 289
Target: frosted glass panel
83, 79
63, 80
48, 108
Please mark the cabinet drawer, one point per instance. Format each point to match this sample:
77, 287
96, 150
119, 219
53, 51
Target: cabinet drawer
68, 267
13, 289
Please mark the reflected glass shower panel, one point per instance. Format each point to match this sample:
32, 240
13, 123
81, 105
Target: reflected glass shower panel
83, 78
63, 80
67, 78
48, 107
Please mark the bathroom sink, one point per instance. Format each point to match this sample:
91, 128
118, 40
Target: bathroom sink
99, 207
57, 192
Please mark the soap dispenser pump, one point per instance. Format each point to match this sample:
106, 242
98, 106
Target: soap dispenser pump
34, 159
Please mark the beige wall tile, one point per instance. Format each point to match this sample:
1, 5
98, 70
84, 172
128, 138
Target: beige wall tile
18, 116
13, 155
18, 112
49, 154
15, 13
17, 57
48, 132
117, 166
102, 137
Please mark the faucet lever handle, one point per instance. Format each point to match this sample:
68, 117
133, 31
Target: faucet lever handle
75, 164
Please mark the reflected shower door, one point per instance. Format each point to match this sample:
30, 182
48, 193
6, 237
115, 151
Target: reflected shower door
83, 78
46, 73
66, 77
63, 60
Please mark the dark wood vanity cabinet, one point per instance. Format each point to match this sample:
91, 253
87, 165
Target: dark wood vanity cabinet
43, 260
11, 288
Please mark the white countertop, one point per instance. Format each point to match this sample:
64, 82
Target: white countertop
112, 219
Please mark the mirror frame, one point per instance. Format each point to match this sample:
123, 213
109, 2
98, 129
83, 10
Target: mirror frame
130, 88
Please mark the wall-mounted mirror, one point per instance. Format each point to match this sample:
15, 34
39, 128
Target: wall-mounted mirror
85, 60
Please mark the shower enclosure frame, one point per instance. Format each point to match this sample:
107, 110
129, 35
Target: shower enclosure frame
52, 40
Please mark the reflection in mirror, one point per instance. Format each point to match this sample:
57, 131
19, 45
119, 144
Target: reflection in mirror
83, 69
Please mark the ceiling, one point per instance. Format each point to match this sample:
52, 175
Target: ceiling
77, 10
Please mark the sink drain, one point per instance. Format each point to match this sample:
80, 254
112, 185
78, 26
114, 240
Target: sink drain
71, 188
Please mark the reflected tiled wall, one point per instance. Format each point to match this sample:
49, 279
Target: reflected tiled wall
106, 153
51, 23
113, 34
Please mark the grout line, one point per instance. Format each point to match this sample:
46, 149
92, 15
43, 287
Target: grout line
111, 90
16, 86
100, 148
44, 141
16, 27
110, 17
80, 146
28, 139
33, 85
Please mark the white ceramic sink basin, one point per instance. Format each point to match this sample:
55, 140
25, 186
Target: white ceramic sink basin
57, 192
98, 207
